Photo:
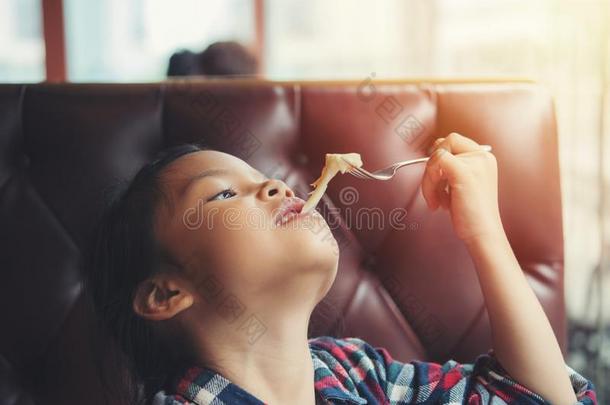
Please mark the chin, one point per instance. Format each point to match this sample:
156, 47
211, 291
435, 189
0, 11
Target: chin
319, 253
311, 249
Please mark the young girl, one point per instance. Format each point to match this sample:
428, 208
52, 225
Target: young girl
211, 308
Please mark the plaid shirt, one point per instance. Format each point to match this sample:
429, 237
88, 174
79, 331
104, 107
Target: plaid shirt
351, 371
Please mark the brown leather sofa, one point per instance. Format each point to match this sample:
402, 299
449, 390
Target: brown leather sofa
409, 288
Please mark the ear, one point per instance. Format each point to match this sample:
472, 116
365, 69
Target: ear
161, 297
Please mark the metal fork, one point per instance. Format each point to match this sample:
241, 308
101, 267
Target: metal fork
388, 172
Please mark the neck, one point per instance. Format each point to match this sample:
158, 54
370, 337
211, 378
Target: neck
265, 352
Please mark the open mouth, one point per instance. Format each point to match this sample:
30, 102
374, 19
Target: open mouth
290, 208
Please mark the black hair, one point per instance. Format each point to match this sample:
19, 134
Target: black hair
182, 63
226, 58
125, 252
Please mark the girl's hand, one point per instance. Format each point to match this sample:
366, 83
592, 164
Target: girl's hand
523, 339
470, 174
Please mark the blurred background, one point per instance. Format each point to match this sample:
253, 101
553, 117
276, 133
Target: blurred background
563, 44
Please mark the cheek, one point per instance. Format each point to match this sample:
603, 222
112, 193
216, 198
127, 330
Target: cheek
230, 250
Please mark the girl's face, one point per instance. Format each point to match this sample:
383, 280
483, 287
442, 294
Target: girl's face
219, 226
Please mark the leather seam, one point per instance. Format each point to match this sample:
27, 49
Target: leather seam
402, 322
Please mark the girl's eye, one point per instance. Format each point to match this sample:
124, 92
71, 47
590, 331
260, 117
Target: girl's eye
227, 192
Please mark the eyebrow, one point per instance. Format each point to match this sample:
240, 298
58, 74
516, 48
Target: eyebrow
201, 175
211, 172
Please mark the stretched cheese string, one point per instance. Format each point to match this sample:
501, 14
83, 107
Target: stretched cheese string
334, 163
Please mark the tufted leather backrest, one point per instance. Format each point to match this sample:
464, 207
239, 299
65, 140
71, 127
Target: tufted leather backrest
405, 282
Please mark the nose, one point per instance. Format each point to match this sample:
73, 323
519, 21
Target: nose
274, 188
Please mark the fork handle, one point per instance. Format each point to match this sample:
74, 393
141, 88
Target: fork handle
486, 148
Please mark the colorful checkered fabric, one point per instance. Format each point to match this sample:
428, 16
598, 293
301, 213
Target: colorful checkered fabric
351, 371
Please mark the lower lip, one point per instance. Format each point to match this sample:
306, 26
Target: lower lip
290, 217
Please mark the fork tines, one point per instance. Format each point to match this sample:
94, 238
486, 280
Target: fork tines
357, 171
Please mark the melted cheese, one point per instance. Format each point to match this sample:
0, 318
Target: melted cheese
334, 163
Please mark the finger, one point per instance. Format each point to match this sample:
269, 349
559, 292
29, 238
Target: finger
447, 166
434, 145
428, 189
429, 183
431, 178
457, 143
442, 192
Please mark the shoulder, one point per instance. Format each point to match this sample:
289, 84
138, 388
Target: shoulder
357, 357
344, 344
355, 349
324, 342
401, 382
349, 365
350, 349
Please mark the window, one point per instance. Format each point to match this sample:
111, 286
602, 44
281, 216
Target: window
132, 41
21, 41
337, 39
